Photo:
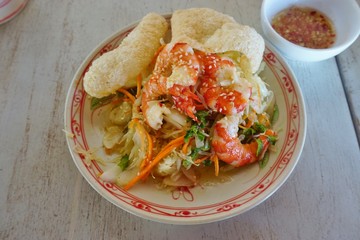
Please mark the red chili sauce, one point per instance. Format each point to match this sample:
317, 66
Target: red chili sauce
305, 26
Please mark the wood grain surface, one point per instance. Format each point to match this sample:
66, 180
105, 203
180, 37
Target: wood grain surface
42, 194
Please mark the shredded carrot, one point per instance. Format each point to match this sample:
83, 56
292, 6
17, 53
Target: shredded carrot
215, 159
200, 160
163, 153
200, 107
138, 85
117, 100
149, 152
129, 95
186, 145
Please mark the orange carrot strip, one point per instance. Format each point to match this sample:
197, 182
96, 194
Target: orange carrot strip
200, 160
164, 152
186, 145
148, 155
138, 85
199, 107
215, 159
117, 100
129, 95
149, 151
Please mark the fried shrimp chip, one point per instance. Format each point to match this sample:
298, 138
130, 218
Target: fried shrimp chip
236, 37
195, 25
214, 32
120, 67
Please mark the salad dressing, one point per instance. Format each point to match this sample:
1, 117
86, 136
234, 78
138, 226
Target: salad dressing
306, 27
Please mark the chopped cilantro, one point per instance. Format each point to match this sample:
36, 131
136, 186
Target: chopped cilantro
259, 128
186, 163
259, 147
191, 133
264, 160
248, 132
272, 139
194, 131
201, 115
194, 153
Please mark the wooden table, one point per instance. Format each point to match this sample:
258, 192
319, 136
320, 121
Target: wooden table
42, 194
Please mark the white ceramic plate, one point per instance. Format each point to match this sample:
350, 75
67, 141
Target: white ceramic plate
201, 204
10, 8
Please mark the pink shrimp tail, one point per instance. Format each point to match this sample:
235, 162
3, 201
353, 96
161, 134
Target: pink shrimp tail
230, 149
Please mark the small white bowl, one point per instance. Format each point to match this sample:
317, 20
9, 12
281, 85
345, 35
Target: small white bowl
345, 16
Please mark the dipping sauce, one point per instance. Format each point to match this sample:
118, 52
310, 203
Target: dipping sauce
305, 26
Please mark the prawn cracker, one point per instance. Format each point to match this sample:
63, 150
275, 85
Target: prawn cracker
214, 32
195, 25
237, 37
120, 67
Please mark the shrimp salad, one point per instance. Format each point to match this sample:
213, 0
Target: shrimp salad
192, 113
183, 103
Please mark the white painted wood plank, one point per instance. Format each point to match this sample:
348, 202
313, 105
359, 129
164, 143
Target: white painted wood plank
43, 196
349, 65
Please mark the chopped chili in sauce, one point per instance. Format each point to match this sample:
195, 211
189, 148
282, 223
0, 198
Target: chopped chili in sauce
305, 26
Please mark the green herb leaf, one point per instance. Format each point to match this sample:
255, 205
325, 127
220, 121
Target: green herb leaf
201, 115
186, 163
200, 136
272, 139
194, 153
259, 147
124, 162
206, 146
207, 162
248, 132
98, 102
259, 128
263, 162
191, 133
196, 129
275, 115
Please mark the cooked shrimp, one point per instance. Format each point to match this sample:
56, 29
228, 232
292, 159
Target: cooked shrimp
223, 89
176, 72
229, 148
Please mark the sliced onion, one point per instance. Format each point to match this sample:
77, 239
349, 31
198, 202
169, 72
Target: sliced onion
180, 181
189, 174
111, 174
